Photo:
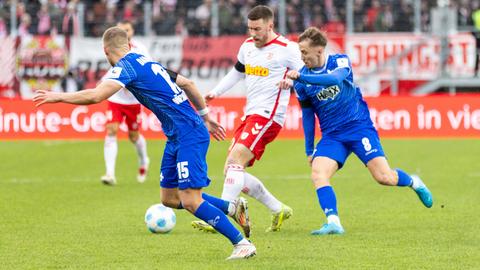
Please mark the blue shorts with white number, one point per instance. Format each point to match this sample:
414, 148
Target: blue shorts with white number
184, 161
363, 141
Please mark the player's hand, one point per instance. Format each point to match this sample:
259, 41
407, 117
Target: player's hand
310, 160
209, 96
218, 132
285, 84
42, 96
293, 74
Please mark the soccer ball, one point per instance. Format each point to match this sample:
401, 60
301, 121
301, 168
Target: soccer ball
160, 219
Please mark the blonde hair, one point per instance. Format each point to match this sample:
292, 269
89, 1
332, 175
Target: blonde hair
115, 38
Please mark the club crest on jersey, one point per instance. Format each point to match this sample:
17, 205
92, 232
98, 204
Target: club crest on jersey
256, 71
329, 92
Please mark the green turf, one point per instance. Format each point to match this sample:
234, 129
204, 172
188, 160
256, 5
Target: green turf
55, 214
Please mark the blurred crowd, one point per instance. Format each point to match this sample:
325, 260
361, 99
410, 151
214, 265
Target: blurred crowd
193, 17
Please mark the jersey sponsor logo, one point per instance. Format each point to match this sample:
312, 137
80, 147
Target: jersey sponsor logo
329, 92
256, 70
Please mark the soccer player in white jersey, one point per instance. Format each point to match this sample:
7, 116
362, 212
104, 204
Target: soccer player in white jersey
123, 105
263, 60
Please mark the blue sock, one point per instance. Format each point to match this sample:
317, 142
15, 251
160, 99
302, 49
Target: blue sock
403, 178
219, 221
217, 202
327, 200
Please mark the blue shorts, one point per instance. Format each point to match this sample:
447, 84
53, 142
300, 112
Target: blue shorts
364, 142
184, 162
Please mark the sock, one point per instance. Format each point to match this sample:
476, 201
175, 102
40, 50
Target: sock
219, 221
234, 182
334, 219
254, 188
217, 202
110, 149
141, 146
403, 178
327, 200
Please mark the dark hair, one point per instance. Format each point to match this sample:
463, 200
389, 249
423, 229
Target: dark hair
260, 12
316, 37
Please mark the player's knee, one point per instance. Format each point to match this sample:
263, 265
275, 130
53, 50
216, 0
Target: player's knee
133, 137
320, 178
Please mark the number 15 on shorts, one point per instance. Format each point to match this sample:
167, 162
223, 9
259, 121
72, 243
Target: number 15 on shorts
182, 169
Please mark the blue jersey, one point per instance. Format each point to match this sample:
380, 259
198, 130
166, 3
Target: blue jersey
339, 105
150, 83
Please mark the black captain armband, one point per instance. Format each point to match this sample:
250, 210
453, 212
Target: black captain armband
240, 67
172, 74
305, 103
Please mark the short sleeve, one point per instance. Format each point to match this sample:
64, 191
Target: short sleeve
342, 62
294, 57
241, 54
122, 73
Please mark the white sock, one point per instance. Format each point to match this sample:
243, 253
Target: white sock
254, 188
334, 219
141, 146
234, 181
244, 242
231, 209
110, 149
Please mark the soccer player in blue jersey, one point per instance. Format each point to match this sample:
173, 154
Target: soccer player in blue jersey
167, 95
325, 88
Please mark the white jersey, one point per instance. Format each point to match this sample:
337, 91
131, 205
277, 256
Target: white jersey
123, 96
265, 67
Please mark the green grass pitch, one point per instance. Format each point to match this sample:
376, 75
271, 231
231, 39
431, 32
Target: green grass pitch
55, 213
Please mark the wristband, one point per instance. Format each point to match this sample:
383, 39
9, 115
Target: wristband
203, 112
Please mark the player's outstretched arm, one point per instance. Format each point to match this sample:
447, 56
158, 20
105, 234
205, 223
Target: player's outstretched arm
232, 77
84, 97
334, 78
193, 94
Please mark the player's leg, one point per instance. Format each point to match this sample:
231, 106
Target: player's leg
249, 144
192, 177
237, 159
329, 156
110, 147
133, 120
368, 148
192, 201
384, 175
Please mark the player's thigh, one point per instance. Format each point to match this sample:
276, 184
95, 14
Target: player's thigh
333, 149
366, 145
254, 134
239, 154
168, 168
133, 135
192, 163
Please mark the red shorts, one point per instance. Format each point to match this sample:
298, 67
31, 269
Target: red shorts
255, 133
131, 113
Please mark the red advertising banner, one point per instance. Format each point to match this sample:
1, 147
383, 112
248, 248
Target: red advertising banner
433, 116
